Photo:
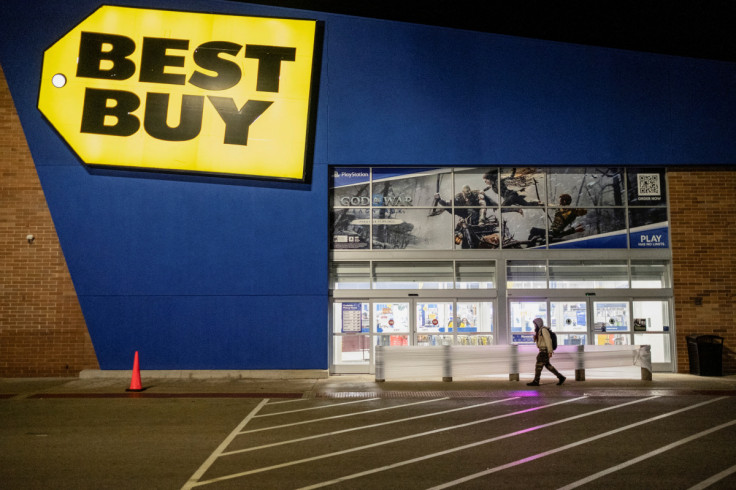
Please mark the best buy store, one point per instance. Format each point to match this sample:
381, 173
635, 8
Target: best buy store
238, 186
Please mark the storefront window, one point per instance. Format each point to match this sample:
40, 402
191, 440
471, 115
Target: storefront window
408, 229
588, 274
350, 275
612, 339
651, 316
478, 274
586, 186
526, 274
523, 187
351, 325
391, 317
475, 317
611, 316
498, 208
461, 274
444, 253
413, 275
523, 228
592, 228
522, 315
659, 346
653, 274
351, 229
568, 316
648, 228
351, 349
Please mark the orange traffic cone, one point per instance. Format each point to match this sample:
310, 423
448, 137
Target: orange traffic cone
135, 382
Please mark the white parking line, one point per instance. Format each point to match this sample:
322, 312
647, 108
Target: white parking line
568, 446
377, 444
273, 427
292, 400
648, 455
471, 445
713, 479
194, 479
318, 408
371, 426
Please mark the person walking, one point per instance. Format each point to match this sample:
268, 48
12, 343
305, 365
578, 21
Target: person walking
544, 344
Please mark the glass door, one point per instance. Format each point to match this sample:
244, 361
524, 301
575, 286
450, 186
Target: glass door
637, 322
392, 322
476, 320
521, 315
465, 322
350, 349
611, 322
569, 319
434, 322
651, 325
360, 325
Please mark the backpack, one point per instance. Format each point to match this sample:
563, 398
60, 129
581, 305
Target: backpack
553, 336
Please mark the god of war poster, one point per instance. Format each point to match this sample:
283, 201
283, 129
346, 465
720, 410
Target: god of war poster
497, 208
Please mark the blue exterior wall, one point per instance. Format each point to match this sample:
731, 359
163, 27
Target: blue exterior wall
221, 273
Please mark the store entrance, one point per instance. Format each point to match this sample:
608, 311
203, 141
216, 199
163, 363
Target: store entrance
599, 321
360, 325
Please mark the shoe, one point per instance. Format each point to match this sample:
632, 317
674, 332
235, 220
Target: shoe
533, 383
562, 380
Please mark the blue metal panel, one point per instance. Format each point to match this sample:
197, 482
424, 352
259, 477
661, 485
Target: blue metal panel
412, 94
208, 332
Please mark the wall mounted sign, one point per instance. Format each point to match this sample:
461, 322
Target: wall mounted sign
182, 91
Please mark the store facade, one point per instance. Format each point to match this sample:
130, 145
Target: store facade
471, 256
290, 207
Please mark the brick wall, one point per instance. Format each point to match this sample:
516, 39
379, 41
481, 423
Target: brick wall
42, 330
703, 234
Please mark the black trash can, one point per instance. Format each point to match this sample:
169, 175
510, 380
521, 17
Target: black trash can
705, 353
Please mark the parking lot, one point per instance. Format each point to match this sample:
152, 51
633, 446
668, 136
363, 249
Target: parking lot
589, 436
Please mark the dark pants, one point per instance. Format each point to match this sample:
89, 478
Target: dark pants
543, 362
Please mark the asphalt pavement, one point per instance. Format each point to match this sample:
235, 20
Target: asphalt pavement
308, 430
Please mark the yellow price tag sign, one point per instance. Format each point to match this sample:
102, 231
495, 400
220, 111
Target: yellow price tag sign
183, 91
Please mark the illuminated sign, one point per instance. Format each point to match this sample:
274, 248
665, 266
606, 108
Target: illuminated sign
182, 91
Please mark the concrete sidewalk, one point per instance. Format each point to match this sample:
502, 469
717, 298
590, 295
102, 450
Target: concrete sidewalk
317, 384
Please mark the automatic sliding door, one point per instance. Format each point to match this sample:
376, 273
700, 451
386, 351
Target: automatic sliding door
359, 325
611, 322
476, 323
569, 320
351, 345
392, 322
435, 323
522, 315
652, 327
600, 322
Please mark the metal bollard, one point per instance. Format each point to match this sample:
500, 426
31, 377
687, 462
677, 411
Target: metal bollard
514, 363
580, 364
379, 364
446, 363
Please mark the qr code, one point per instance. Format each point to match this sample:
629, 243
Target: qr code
649, 184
